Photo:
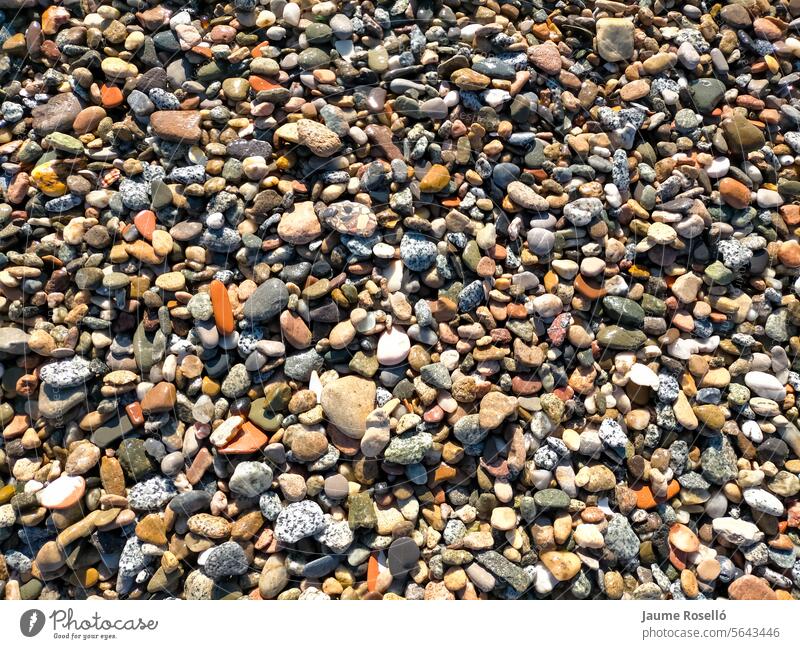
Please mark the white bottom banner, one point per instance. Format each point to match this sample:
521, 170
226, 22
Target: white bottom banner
394, 624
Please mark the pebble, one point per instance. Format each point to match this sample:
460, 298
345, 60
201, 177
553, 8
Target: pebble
225, 560
393, 347
346, 403
297, 521
63, 492
251, 479
66, 373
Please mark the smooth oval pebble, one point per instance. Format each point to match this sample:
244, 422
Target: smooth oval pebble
223, 315
63, 492
393, 347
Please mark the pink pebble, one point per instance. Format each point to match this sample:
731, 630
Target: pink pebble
264, 109
393, 346
446, 401
458, 128
433, 415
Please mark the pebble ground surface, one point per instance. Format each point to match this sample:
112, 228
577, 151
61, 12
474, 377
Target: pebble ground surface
413, 299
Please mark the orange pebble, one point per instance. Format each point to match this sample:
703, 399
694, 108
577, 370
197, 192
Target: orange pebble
372, 572
248, 440
255, 52
145, 222
646, 500
134, 412
260, 83
200, 50
110, 96
223, 313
